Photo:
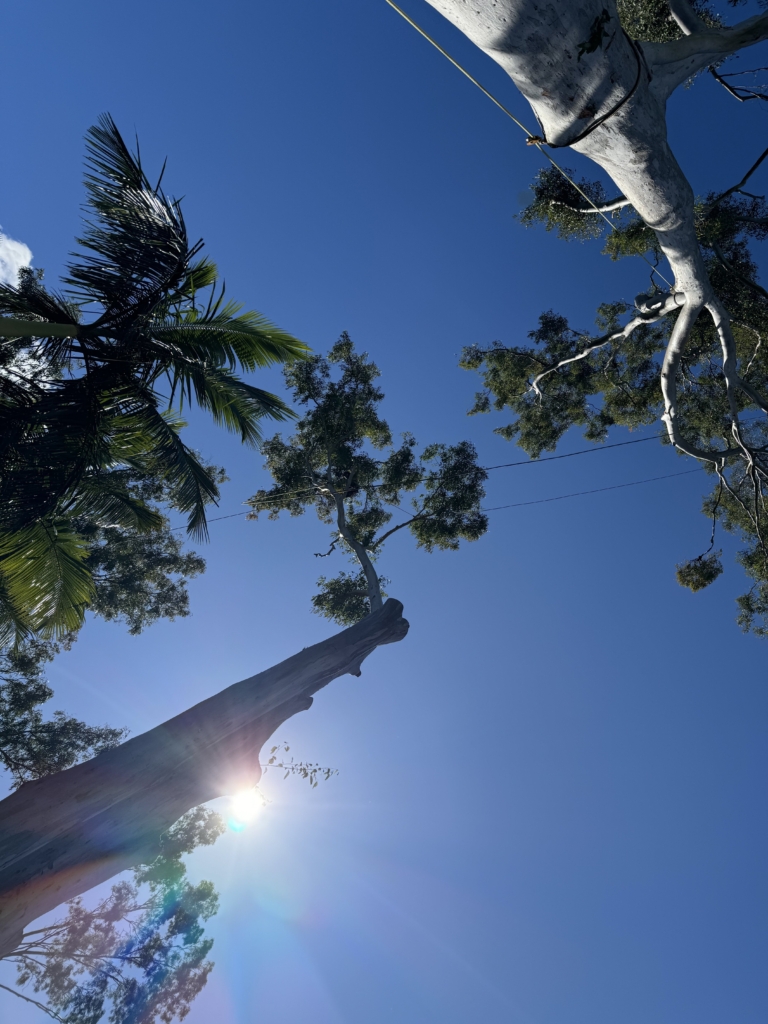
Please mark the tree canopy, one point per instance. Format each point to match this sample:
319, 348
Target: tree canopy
140, 954
331, 464
94, 377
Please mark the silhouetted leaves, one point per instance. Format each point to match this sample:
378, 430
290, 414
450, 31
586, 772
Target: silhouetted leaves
343, 460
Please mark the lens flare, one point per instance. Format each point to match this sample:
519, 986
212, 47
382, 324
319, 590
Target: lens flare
244, 807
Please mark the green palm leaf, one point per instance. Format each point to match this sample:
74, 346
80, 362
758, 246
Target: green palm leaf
141, 326
137, 245
43, 572
227, 336
232, 403
103, 501
193, 486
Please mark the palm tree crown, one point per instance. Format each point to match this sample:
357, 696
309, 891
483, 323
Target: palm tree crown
93, 379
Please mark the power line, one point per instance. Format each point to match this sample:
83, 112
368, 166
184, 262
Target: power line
503, 465
568, 455
596, 490
538, 501
531, 140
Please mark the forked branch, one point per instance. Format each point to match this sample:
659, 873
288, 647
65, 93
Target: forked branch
650, 314
674, 62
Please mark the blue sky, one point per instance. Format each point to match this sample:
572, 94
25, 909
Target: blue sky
551, 800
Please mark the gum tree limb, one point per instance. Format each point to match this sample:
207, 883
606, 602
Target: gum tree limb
570, 87
616, 204
669, 305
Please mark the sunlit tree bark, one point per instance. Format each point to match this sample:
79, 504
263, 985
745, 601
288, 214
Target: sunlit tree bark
65, 833
575, 65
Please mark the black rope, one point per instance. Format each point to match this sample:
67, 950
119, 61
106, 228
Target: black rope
542, 139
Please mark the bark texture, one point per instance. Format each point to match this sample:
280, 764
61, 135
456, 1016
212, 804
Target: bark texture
63, 834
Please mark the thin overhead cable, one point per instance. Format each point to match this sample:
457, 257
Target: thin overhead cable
569, 455
531, 140
538, 501
503, 465
596, 490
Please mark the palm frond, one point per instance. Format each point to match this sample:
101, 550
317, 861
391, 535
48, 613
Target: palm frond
15, 625
193, 486
47, 315
49, 438
137, 237
225, 335
103, 501
43, 571
233, 404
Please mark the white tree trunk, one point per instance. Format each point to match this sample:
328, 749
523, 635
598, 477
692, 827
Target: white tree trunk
63, 834
538, 45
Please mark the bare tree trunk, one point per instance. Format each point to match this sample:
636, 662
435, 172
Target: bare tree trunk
63, 834
593, 88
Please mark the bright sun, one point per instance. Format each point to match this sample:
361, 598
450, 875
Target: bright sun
244, 807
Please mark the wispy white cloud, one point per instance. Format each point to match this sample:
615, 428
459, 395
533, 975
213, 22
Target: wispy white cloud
13, 256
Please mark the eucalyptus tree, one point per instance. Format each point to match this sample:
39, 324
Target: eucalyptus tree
94, 377
331, 464
690, 350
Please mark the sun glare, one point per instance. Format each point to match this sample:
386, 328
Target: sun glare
244, 807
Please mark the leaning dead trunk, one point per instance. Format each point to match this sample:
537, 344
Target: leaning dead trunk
63, 834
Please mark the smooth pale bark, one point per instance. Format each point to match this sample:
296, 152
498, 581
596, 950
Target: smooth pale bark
538, 44
61, 835
541, 46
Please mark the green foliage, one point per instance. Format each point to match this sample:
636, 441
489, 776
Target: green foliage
561, 207
140, 954
631, 237
344, 598
140, 328
625, 376
699, 572
45, 585
650, 20
141, 576
332, 464
742, 511
31, 747
617, 382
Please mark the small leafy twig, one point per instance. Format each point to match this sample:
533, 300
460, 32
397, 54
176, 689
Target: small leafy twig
311, 772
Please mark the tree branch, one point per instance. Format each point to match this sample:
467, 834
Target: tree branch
615, 204
737, 90
374, 590
686, 17
671, 366
34, 1002
732, 270
740, 185
400, 526
674, 62
670, 304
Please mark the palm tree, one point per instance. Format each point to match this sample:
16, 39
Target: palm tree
93, 379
